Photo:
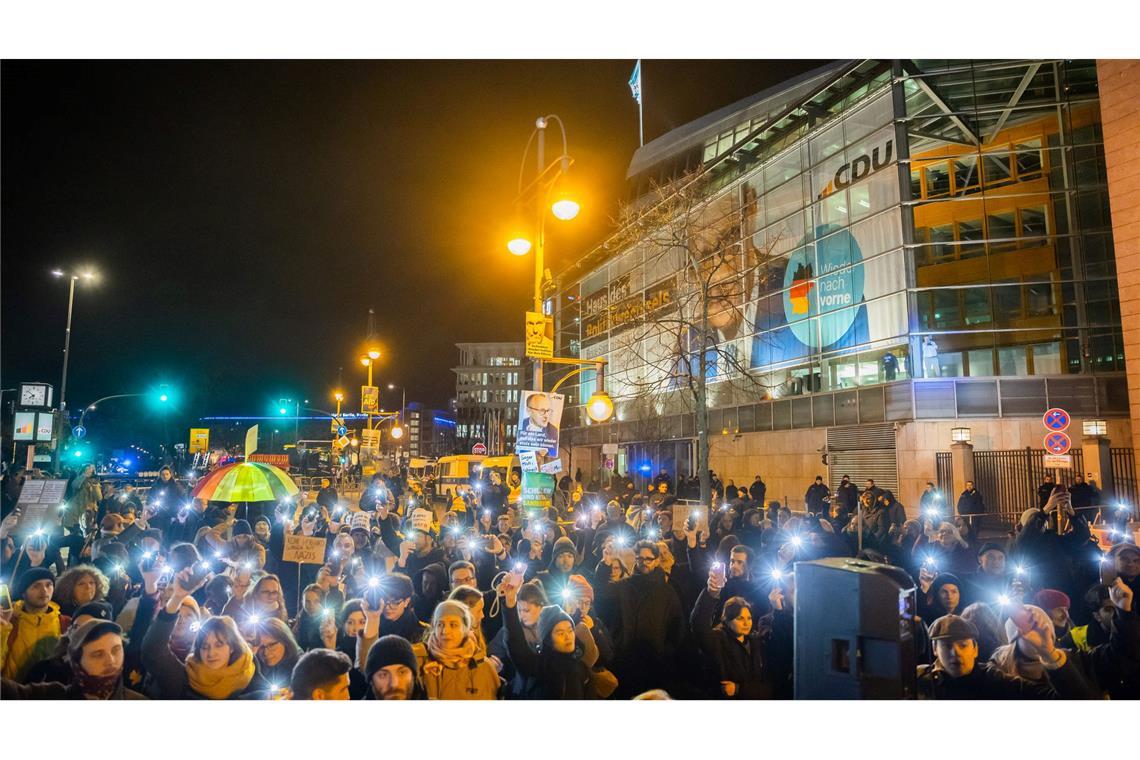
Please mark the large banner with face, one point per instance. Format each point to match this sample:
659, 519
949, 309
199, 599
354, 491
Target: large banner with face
540, 416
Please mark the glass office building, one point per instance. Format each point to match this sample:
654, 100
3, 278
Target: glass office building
909, 240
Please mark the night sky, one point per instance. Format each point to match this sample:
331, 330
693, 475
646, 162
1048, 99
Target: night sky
245, 215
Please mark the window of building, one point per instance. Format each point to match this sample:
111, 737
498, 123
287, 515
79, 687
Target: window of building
1028, 158
1012, 361
947, 313
966, 178
996, 168
970, 237
937, 181
1032, 226
1002, 231
977, 308
981, 362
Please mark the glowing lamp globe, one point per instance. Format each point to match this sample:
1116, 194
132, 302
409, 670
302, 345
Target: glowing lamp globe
397, 432
565, 209
600, 407
519, 246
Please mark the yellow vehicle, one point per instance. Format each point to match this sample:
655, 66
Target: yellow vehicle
506, 466
454, 472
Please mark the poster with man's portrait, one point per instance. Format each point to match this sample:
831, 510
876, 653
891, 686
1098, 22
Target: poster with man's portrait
540, 415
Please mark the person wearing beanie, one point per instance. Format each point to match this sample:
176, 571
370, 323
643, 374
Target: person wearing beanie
1056, 604
321, 674
734, 650
561, 668
58, 666
391, 668
991, 578
942, 596
563, 563
30, 630
1032, 650
95, 659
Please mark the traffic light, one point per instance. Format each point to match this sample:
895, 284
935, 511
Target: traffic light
163, 393
283, 406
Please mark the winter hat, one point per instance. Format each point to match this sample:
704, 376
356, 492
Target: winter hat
241, 528
30, 576
1119, 549
97, 610
580, 587
990, 546
944, 579
1028, 515
548, 618
361, 521
389, 650
563, 546
1051, 598
450, 607
89, 631
1040, 620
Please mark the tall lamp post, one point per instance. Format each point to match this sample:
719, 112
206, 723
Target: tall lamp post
73, 278
538, 192
398, 430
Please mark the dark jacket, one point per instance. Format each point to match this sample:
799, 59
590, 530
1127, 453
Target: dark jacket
971, 503
816, 497
757, 491
987, 682
407, 626
170, 674
554, 675
648, 626
56, 690
726, 657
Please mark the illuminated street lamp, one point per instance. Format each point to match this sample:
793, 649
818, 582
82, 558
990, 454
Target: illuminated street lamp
600, 407
520, 246
89, 276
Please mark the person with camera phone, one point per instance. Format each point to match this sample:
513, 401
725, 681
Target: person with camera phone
733, 651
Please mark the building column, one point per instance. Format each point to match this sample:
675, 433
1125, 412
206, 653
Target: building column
1119, 85
962, 465
1098, 464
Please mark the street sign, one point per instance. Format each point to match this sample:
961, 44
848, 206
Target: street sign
479, 449
79, 431
342, 431
343, 440
609, 448
199, 439
609, 464
1056, 419
1058, 461
1057, 443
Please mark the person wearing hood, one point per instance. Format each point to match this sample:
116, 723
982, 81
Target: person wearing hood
430, 585
95, 667
958, 672
1125, 559
399, 616
943, 546
389, 663
321, 675
30, 630
734, 650
220, 665
563, 563
560, 667
940, 595
647, 621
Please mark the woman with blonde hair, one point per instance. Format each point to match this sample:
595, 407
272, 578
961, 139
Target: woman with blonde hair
450, 666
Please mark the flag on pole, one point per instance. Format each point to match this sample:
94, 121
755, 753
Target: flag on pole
635, 82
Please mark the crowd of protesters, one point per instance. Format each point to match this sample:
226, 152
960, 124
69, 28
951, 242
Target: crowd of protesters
617, 594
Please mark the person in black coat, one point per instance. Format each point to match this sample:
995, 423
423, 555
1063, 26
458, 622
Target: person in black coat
817, 496
733, 649
847, 494
561, 666
757, 491
970, 501
646, 620
1044, 491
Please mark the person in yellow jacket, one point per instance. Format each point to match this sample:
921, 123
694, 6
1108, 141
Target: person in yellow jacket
30, 631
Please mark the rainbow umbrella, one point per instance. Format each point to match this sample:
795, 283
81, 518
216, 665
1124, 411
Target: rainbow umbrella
245, 481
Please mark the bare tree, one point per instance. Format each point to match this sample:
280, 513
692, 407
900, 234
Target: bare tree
690, 329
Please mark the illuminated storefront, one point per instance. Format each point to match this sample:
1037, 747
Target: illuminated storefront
911, 240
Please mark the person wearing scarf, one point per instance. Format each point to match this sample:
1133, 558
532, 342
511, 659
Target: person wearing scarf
220, 664
449, 667
95, 651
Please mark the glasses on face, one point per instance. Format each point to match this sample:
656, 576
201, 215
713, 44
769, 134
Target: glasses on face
267, 645
646, 559
538, 411
460, 580
393, 603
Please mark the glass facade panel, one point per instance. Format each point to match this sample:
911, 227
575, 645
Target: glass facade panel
1010, 273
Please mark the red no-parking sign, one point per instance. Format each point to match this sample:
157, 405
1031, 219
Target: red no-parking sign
1057, 443
1056, 419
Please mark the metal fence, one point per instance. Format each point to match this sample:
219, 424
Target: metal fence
1123, 462
944, 472
1008, 480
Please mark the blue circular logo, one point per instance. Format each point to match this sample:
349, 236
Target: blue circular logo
79, 431
824, 281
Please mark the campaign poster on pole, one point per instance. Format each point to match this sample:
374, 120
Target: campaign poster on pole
537, 490
539, 336
540, 416
369, 399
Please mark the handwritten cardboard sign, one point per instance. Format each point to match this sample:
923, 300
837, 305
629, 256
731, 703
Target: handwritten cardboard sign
305, 550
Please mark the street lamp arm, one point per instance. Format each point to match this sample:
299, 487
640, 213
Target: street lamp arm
105, 398
564, 157
598, 365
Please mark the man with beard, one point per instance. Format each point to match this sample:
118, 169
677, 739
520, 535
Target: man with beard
391, 669
646, 620
96, 654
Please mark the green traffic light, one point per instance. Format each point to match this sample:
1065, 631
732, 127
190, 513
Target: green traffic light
283, 410
164, 398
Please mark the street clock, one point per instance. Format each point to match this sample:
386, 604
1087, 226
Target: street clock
37, 395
